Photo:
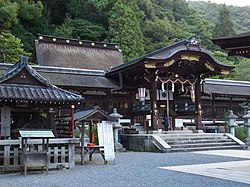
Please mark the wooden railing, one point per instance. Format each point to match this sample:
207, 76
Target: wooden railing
61, 153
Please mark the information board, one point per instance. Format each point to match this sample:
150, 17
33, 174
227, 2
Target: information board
106, 139
178, 122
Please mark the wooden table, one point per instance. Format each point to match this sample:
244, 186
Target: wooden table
90, 150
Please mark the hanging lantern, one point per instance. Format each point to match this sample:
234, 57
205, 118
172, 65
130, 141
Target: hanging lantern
192, 94
172, 87
141, 94
162, 87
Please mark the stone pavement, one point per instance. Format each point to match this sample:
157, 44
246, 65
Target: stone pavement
222, 168
238, 171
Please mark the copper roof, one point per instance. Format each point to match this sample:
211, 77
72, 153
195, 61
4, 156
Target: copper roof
62, 52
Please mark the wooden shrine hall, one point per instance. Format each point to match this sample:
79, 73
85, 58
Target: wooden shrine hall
237, 45
172, 81
177, 70
28, 100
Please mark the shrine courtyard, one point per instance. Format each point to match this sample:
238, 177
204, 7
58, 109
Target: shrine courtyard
205, 168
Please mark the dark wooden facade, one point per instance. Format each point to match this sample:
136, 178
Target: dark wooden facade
181, 70
28, 99
235, 45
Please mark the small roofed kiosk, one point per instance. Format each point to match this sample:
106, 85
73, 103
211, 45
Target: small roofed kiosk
90, 116
237, 45
27, 100
179, 69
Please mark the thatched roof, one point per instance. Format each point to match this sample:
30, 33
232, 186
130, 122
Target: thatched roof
68, 53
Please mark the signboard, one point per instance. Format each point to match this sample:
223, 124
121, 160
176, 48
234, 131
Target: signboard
36, 134
5, 121
178, 122
106, 139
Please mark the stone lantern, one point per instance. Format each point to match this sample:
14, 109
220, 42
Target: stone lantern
247, 124
232, 122
116, 127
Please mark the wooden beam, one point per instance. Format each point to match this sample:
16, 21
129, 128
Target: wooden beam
198, 111
153, 96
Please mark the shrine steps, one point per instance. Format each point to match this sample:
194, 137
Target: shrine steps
201, 141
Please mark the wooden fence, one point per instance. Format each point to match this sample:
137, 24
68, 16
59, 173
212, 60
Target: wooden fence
61, 153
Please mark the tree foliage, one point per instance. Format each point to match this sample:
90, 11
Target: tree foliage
124, 28
8, 14
138, 26
11, 48
224, 26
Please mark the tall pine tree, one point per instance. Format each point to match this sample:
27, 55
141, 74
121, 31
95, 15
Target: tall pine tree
124, 28
224, 26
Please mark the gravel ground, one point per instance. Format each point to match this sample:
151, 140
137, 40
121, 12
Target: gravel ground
130, 169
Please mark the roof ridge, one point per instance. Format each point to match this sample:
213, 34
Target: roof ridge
75, 42
16, 68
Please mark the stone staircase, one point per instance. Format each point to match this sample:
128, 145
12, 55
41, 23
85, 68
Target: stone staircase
201, 141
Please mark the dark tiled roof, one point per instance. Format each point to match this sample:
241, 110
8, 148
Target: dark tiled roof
77, 77
67, 77
92, 113
18, 67
241, 35
227, 87
27, 89
36, 93
61, 52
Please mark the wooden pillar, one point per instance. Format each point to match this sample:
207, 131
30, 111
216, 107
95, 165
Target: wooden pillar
72, 120
82, 142
5, 122
153, 98
213, 108
198, 111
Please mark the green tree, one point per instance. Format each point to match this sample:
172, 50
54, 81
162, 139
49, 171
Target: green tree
29, 11
180, 9
11, 48
199, 26
8, 14
124, 28
224, 26
92, 10
242, 70
81, 29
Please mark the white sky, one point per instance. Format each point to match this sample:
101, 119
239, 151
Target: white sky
229, 2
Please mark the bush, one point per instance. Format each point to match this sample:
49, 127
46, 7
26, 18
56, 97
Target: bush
241, 133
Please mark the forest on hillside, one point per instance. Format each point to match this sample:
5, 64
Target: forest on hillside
138, 26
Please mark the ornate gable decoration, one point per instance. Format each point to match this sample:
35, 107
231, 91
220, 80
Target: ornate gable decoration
22, 73
193, 44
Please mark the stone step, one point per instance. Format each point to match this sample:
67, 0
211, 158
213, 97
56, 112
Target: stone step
205, 148
173, 142
214, 144
195, 138
167, 136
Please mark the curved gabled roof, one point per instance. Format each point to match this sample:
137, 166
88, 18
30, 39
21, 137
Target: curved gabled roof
184, 51
22, 82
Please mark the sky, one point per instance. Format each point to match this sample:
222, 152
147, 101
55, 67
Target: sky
230, 2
